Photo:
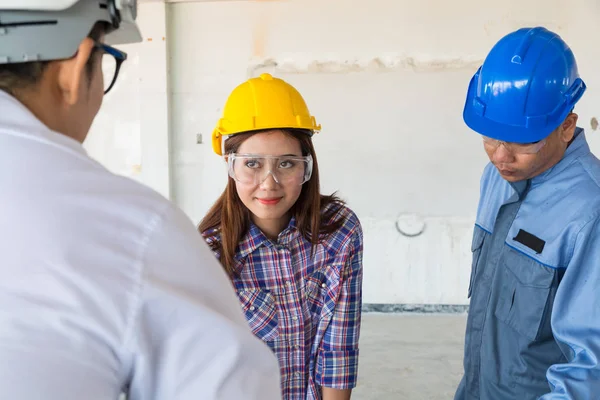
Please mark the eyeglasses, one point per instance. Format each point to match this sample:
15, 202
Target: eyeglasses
111, 65
514, 148
254, 169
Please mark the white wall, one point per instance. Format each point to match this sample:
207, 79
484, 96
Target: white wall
131, 133
387, 79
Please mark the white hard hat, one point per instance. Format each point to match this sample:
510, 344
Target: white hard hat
47, 5
43, 30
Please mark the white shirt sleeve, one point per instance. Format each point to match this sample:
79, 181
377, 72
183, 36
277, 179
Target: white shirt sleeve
187, 337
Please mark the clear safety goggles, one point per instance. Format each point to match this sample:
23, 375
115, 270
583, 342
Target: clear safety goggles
514, 148
254, 169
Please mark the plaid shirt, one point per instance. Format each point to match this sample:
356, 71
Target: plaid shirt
307, 309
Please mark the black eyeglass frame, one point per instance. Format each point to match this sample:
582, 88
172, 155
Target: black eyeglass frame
119, 56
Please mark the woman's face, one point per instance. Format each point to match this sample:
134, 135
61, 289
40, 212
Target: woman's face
270, 201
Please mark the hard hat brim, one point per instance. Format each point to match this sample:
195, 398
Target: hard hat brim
128, 33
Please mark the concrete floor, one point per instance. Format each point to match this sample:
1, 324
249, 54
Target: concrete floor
413, 357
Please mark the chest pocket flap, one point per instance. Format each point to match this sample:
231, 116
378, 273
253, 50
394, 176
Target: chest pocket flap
261, 313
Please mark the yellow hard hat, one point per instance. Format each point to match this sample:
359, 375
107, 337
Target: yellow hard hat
263, 103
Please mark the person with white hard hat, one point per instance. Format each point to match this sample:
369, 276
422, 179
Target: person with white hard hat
105, 286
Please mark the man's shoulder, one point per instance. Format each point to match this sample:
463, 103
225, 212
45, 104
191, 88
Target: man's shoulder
589, 171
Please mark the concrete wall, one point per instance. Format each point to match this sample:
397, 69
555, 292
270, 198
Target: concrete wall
387, 80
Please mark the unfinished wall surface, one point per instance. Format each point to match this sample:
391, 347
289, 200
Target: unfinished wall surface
386, 79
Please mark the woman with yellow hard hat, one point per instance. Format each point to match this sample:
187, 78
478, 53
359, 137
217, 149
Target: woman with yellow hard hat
294, 256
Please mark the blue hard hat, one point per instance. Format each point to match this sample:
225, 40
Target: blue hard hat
525, 89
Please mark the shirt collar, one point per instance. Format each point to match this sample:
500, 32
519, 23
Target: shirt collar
18, 120
255, 238
578, 148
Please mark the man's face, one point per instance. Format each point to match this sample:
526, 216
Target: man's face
520, 162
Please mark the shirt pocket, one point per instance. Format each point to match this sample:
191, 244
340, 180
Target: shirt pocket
320, 289
476, 246
261, 313
526, 293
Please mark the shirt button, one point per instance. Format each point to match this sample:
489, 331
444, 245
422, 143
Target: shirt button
252, 308
295, 318
323, 285
288, 283
297, 373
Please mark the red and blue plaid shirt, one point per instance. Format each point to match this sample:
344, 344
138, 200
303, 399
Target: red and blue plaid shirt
305, 307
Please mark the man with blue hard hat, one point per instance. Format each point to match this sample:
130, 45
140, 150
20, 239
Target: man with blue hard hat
533, 330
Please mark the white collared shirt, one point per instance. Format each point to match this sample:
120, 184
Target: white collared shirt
105, 286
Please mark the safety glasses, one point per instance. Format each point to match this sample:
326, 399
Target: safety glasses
254, 169
514, 148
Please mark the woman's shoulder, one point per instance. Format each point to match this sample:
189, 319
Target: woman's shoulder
211, 234
212, 237
336, 212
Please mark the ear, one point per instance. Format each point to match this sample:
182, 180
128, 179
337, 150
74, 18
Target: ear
568, 127
72, 72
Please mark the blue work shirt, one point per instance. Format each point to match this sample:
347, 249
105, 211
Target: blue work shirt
533, 330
